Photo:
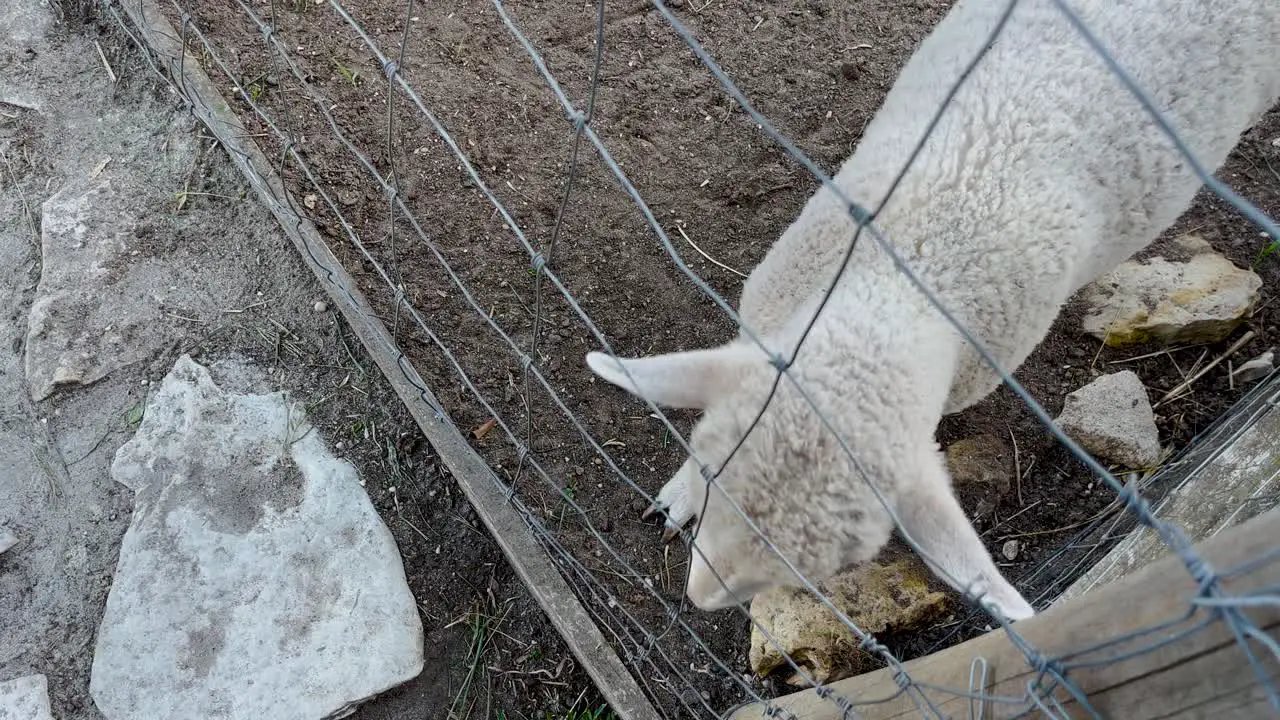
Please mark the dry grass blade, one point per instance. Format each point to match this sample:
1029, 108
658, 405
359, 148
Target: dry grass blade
703, 253
1186, 384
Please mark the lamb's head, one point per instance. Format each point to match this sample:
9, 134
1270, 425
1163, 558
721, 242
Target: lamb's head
789, 476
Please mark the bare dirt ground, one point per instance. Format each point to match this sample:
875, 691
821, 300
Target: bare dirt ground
818, 69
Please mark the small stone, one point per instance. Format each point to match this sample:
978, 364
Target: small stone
1193, 244
320, 306
67, 376
25, 698
984, 510
1010, 550
1255, 369
1111, 417
7, 539
879, 597
1201, 300
982, 460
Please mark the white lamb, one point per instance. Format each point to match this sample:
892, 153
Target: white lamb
1043, 174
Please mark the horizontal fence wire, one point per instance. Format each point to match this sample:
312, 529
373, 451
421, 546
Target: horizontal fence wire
676, 685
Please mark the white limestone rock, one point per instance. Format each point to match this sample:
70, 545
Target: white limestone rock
25, 698
1111, 417
255, 580
96, 305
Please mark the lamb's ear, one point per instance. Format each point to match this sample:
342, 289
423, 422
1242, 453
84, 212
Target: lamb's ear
682, 380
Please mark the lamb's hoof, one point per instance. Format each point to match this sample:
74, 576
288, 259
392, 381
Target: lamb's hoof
671, 532
672, 506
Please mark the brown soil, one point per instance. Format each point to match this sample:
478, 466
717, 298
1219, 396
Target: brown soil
818, 69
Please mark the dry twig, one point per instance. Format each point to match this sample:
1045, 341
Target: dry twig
1186, 384
714, 261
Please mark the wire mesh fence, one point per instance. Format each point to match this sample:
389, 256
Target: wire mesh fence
493, 272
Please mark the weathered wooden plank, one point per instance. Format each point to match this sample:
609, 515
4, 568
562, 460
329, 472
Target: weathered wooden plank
1204, 674
472, 474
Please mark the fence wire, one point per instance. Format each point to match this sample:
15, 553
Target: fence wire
677, 685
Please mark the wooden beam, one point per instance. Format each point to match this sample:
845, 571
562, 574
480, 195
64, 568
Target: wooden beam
469, 470
1205, 674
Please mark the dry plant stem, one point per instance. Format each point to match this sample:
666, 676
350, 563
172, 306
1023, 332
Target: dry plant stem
26, 209
102, 56
1017, 467
701, 252
1186, 384
1157, 353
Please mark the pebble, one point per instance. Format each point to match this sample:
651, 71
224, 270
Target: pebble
1255, 369
320, 306
1010, 550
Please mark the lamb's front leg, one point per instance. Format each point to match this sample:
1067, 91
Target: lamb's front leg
930, 513
676, 499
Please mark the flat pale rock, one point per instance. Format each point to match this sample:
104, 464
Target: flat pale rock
7, 539
255, 580
25, 698
1111, 417
95, 304
1201, 300
888, 597
24, 22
